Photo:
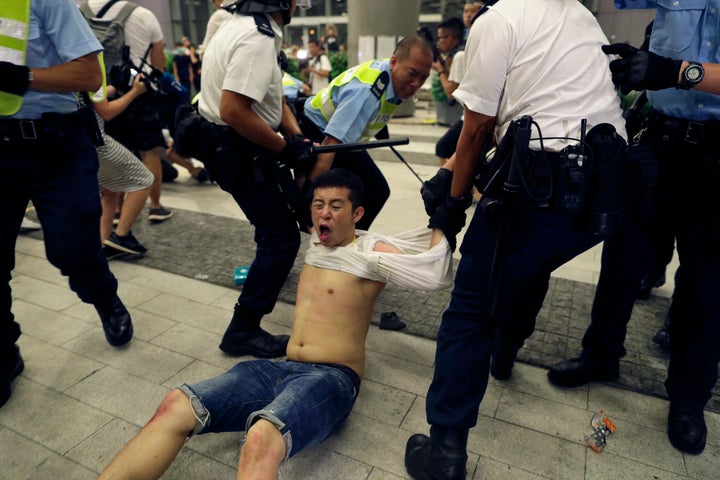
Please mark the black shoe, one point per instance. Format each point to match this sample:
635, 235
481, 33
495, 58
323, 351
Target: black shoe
662, 339
647, 283
390, 321
116, 322
686, 429
442, 457
258, 344
126, 243
10, 369
578, 372
112, 253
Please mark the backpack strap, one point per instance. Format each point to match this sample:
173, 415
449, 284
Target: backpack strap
125, 12
105, 9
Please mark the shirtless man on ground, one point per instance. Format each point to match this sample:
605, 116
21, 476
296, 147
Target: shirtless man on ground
287, 406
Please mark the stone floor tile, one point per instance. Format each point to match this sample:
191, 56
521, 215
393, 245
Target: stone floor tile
319, 462
133, 358
194, 372
47, 325
413, 349
532, 451
533, 380
385, 404
100, 448
607, 465
181, 286
120, 394
54, 366
38, 268
398, 373
50, 418
42, 293
187, 311
489, 469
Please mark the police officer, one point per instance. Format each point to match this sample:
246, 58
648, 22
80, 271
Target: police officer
682, 78
242, 95
356, 105
534, 58
47, 156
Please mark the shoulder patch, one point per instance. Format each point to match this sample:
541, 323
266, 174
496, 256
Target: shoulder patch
380, 84
263, 25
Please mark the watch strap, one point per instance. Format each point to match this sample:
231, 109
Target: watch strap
691, 75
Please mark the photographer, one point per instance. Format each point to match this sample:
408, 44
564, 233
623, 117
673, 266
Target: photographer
140, 126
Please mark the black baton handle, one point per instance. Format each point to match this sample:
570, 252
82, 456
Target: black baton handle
341, 147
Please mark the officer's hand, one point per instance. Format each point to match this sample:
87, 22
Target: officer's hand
14, 79
436, 190
297, 154
450, 218
138, 84
641, 69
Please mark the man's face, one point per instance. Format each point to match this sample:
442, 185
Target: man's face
445, 41
409, 74
333, 216
314, 49
469, 11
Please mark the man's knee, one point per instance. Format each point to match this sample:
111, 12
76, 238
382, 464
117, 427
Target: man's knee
175, 413
263, 439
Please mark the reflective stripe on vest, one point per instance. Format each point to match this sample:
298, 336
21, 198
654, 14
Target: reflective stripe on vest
101, 94
322, 101
14, 27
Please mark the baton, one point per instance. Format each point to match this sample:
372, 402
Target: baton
341, 147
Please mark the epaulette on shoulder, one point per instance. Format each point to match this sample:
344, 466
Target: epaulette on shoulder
263, 25
381, 83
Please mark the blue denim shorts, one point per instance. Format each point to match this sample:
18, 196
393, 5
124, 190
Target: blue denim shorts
306, 401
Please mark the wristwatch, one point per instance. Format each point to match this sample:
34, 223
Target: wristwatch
692, 75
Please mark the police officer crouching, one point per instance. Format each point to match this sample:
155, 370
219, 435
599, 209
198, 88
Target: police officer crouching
242, 108
47, 156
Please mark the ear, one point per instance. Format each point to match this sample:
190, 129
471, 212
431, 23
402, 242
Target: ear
393, 61
358, 214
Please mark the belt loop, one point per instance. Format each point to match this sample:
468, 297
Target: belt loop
27, 130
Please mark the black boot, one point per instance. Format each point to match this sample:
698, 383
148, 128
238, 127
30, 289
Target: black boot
11, 365
245, 337
442, 456
116, 322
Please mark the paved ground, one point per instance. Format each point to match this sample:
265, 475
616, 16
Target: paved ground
79, 400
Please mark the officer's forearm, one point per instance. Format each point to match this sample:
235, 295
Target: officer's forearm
236, 110
711, 80
288, 124
476, 129
81, 75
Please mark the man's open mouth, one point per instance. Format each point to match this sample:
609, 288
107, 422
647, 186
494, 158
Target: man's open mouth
323, 232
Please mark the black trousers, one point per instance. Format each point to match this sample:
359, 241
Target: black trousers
688, 202
60, 177
377, 190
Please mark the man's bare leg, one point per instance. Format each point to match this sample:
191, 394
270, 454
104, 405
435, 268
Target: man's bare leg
153, 449
262, 453
151, 159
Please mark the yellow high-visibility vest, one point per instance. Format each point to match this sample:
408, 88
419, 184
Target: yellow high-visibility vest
14, 28
366, 74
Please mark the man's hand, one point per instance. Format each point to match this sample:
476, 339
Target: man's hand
436, 190
450, 218
297, 154
14, 79
641, 69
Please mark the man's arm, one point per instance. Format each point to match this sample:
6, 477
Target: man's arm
111, 109
476, 129
83, 74
711, 80
157, 55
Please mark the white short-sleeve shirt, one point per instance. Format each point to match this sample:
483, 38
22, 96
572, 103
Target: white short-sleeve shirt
240, 59
141, 29
544, 59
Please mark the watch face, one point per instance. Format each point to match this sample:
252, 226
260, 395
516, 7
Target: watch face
693, 73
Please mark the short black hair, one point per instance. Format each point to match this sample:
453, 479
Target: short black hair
341, 178
454, 26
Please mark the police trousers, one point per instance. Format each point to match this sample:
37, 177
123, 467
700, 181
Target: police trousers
58, 173
687, 206
276, 231
539, 242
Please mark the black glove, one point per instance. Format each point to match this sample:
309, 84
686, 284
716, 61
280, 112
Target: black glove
297, 154
436, 190
14, 79
450, 218
641, 69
